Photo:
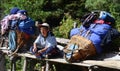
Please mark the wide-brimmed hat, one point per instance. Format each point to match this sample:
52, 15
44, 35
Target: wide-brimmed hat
44, 25
23, 12
14, 10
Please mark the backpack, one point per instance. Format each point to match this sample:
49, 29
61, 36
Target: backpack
79, 48
109, 38
27, 26
95, 33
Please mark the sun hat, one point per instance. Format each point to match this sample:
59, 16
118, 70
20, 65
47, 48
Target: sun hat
44, 25
14, 10
23, 12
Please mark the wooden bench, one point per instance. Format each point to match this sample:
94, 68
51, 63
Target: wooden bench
100, 61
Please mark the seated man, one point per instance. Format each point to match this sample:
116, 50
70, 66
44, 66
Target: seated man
45, 42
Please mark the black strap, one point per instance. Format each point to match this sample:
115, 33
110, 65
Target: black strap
110, 36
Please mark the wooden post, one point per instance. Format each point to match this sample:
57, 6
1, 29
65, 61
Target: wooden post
29, 64
47, 64
1, 43
25, 64
13, 64
75, 25
2, 62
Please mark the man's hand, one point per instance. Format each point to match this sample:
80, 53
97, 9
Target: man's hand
34, 49
40, 51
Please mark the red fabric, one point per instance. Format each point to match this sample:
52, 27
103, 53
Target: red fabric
26, 36
101, 22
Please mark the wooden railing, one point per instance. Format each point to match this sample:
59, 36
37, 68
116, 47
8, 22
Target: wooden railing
101, 60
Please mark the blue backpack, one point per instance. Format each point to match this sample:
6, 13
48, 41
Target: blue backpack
27, 26
95, 33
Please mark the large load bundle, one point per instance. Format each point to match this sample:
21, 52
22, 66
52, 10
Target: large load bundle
20, 28
86, 40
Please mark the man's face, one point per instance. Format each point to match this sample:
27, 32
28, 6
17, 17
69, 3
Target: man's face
21, 16
44, 31
13, 17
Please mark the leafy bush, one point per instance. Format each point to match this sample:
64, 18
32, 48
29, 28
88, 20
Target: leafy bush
65, 26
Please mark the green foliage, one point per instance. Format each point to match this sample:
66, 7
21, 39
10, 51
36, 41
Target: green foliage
51, 11
36, 8
19, 63
115, 10
96, 5
7, 63
44, 9
65, 26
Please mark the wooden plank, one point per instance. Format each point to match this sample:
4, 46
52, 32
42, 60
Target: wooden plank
27, 55
87, 63
25, 64
13, 65
4, 50
19, 54
109, 64
61, 60
115, 64
60, 47
62, 40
